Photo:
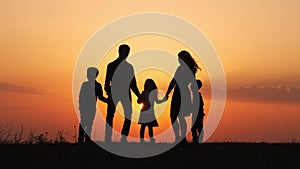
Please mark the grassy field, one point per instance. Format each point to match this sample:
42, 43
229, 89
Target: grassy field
207, 155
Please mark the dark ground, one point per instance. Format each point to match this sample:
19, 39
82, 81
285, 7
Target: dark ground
207, 155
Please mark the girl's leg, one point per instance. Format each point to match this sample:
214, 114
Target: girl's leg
150, 128
142, 131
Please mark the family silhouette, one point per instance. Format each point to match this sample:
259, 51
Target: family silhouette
120, 81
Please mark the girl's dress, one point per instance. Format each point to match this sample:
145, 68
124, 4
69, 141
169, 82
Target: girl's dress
147, 116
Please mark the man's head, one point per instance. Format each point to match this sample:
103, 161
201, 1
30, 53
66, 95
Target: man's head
123, 51
92, 73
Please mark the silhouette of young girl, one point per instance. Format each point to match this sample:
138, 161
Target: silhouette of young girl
181, 99
147, 116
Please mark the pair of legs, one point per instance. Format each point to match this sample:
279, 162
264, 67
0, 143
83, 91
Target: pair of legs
197, 129
111, 109
177, 119
85, 128
142, 132
179, 124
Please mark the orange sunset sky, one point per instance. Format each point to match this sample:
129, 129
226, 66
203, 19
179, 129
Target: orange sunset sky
257, 42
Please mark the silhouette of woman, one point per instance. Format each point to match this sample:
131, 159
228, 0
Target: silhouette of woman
181, 99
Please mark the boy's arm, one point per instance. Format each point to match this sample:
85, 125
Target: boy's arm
80, 94
202, 104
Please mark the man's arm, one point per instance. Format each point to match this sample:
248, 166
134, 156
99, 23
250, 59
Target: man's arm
99, 93
134, 87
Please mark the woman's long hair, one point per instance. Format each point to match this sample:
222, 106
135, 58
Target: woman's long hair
191, 63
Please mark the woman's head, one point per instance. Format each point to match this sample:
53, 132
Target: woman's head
188, 60
150, 85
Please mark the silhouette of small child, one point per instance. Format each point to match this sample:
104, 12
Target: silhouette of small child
89, 92
147, 117
198, 125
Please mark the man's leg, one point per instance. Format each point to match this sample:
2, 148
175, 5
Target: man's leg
111, 108
127, 120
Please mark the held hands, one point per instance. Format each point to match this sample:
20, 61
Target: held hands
165, 98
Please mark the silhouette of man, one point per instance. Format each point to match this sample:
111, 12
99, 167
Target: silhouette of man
120, 78
89, 92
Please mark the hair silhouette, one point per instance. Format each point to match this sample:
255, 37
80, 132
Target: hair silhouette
124, 51
199, 83
92, 73
189, 61
150, 85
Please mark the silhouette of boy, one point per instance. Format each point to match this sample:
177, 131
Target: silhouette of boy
198, 117
89, 92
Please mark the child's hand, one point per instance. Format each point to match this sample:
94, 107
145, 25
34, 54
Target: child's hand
164, 99
139, 100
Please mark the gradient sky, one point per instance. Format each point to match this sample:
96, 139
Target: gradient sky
257, 41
